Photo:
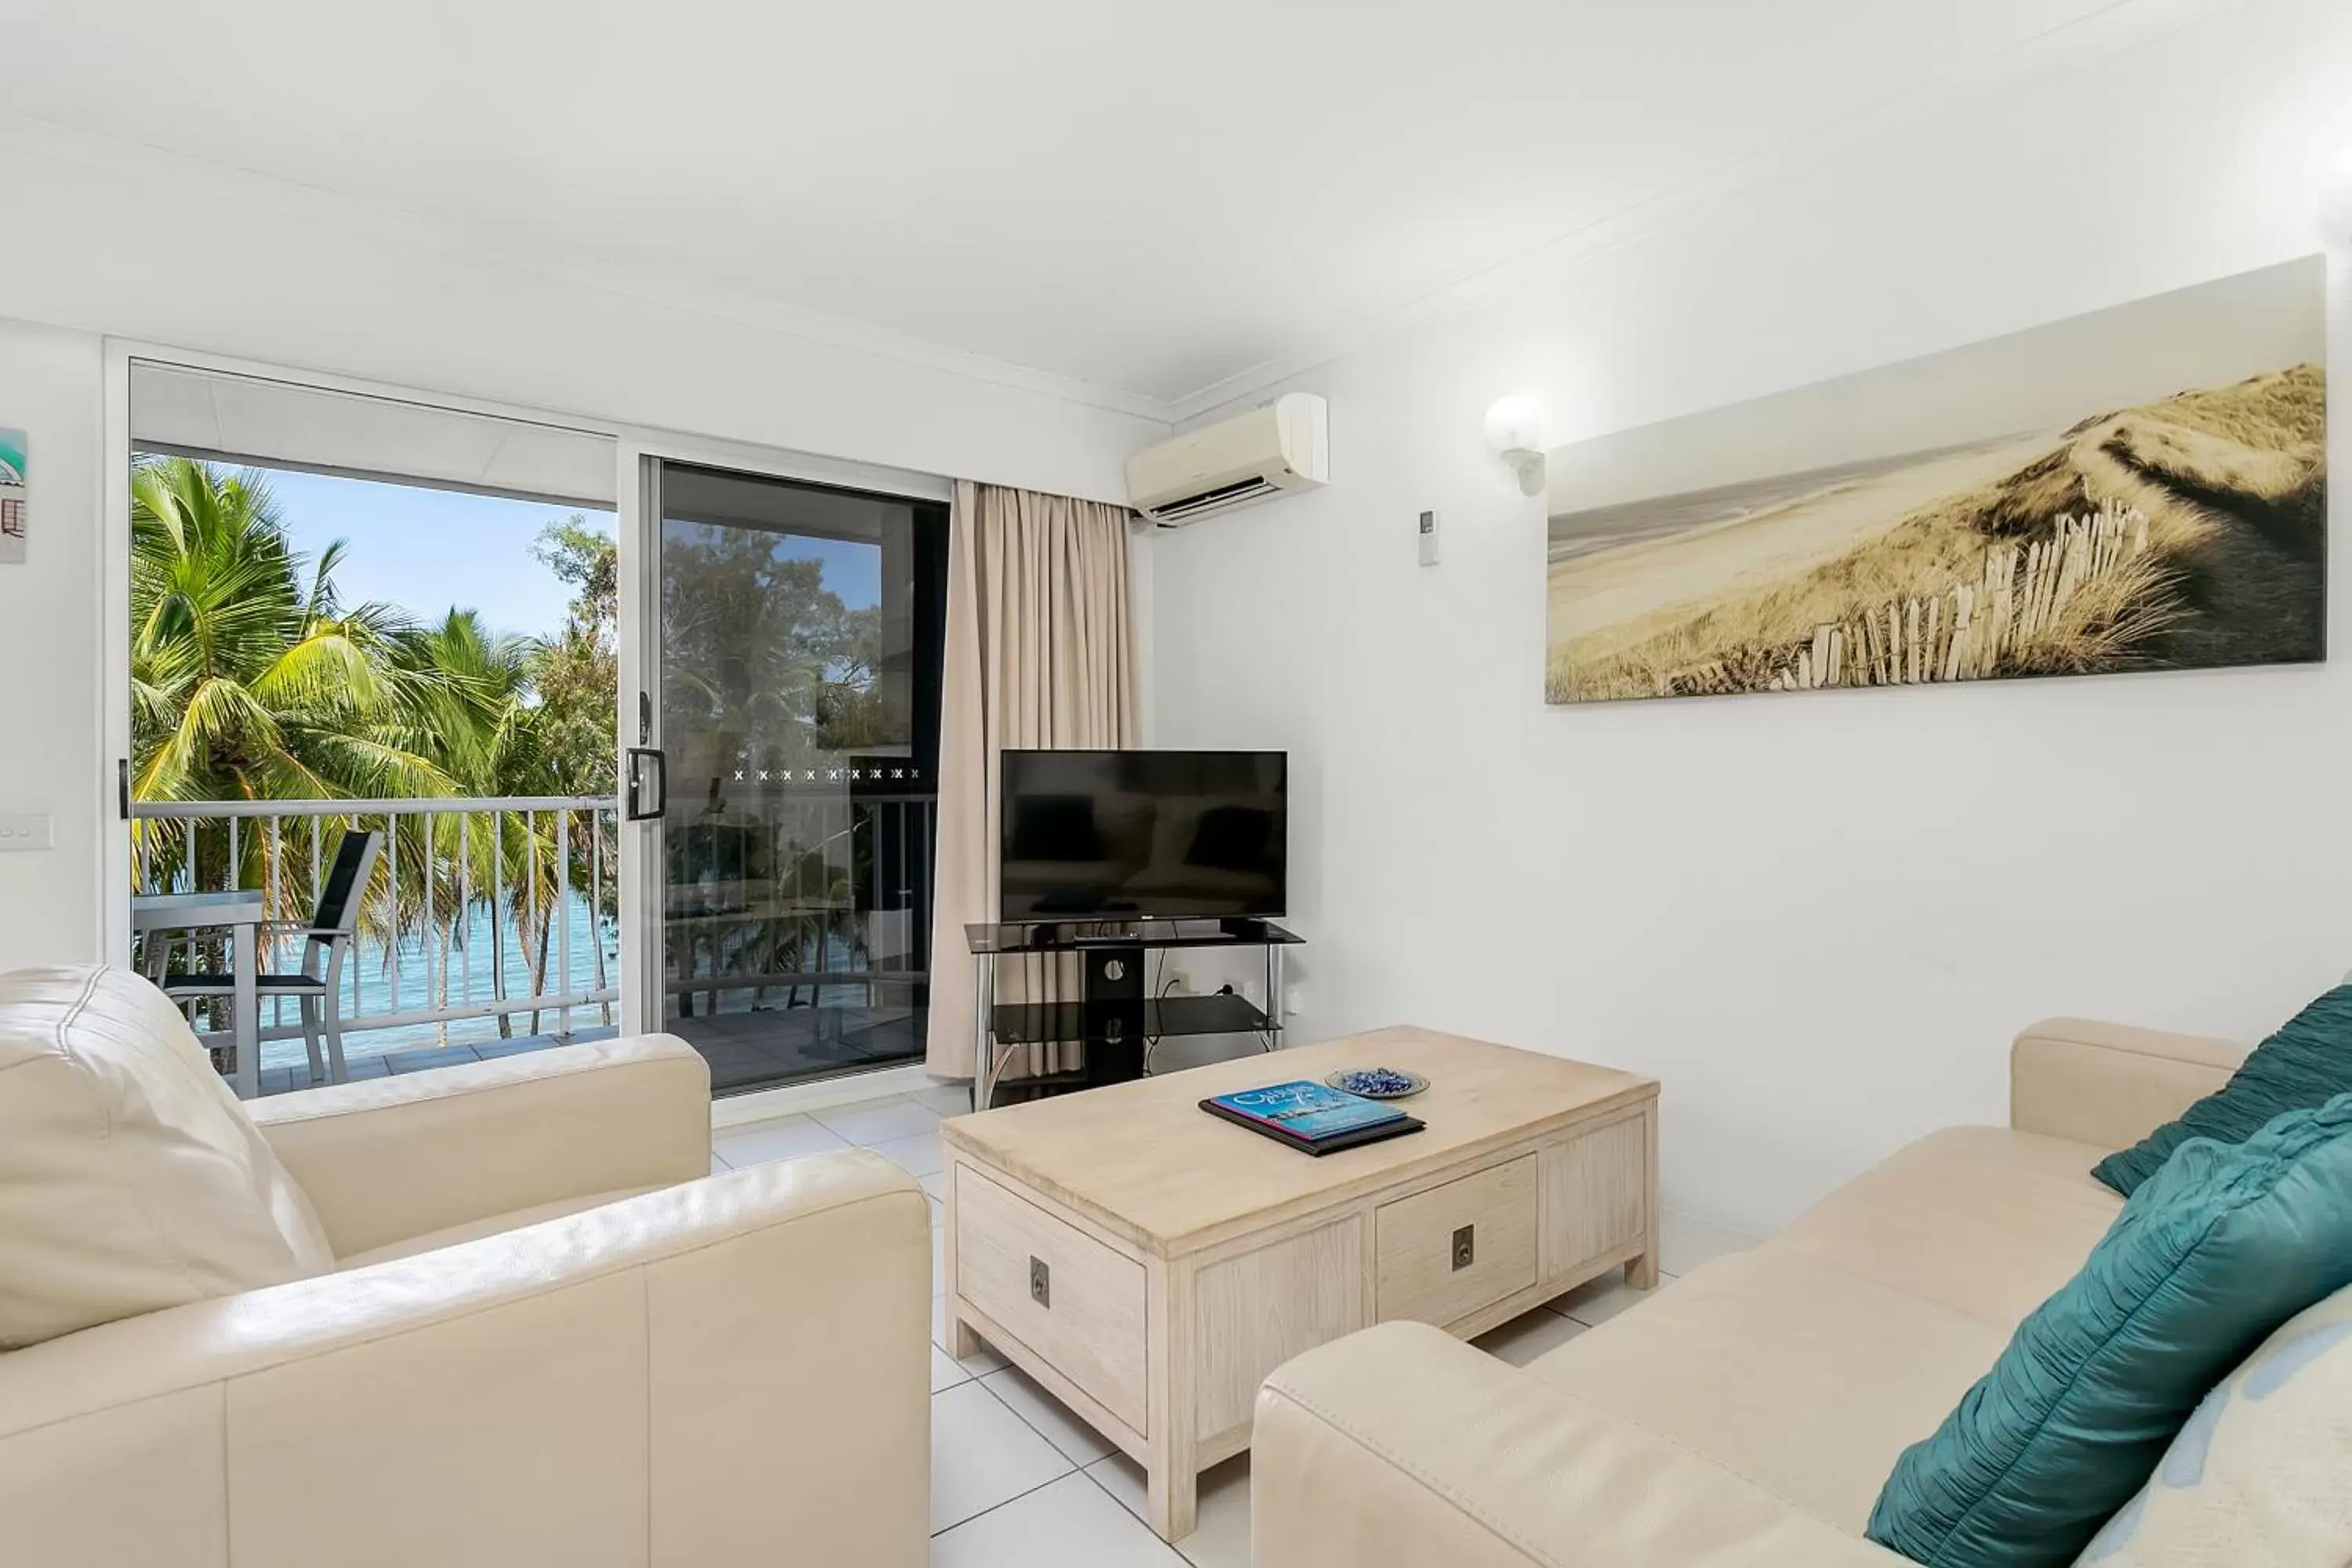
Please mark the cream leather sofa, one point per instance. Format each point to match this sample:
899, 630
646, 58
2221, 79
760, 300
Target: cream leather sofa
1748, 1414
545, 1334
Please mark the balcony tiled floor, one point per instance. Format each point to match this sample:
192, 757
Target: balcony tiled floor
1018, 1481
780, 1043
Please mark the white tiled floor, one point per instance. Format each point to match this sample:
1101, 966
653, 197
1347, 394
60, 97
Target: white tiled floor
1018, 1481
984, 1456
765, 1141
1070, 1523
1220, 1537
920, 1154
947, 1099
1079, 1442
880, 1121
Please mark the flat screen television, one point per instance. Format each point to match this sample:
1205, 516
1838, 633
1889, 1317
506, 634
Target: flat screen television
1128, 836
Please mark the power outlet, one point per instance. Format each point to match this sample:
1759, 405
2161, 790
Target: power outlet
35, 830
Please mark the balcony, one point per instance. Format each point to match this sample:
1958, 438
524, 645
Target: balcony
795, 930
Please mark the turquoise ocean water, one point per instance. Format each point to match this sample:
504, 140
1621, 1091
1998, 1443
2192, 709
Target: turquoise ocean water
473, 962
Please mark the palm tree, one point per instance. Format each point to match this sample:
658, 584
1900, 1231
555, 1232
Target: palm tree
251, 680
247, 680
471, 699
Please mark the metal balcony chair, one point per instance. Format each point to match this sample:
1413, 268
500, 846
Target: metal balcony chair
317, 987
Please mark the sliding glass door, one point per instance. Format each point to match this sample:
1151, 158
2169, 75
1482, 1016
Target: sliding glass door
790, 768
364, 678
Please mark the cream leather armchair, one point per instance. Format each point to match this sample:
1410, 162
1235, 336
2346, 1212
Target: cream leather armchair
549, 1335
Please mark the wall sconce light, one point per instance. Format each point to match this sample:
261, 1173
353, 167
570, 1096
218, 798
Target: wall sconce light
1514, 432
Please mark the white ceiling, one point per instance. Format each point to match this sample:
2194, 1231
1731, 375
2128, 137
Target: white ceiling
1153, 201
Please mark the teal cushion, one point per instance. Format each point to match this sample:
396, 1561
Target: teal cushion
2215, 1251
2305, 1064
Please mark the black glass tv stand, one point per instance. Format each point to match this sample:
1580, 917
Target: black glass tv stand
1116, 1013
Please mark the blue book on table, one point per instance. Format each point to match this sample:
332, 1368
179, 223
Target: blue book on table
1312, 1117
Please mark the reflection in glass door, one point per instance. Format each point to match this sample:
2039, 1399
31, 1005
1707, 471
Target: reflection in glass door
801, 632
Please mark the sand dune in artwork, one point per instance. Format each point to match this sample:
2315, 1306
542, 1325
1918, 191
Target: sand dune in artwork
2186, 532
1618, 588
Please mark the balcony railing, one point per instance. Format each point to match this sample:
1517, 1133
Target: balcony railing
508, 909
480, 909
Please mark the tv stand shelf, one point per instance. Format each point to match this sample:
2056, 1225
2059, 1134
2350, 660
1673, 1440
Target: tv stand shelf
1046, 1023
1078, 935
1116, 1015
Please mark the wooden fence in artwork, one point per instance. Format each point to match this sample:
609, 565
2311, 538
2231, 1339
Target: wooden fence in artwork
1958, 635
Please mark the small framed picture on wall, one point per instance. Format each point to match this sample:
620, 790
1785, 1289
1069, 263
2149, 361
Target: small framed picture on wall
11, 495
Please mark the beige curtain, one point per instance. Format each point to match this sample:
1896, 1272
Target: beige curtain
1039, 653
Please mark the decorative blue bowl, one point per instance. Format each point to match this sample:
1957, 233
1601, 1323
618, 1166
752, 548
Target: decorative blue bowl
1378, 1083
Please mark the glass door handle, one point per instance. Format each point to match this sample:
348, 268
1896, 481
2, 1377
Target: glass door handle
643, 806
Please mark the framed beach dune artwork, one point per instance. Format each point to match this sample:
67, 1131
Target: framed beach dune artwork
2144, 488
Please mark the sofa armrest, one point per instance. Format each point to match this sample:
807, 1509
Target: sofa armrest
728, 1372
391, 1157
1401, 1447
2110, 1084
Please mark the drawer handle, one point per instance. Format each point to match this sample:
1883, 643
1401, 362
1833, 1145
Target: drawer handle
1041, 1283
1466, 1246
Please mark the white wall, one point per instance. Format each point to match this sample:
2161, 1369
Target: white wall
1817, 919
48, 649
105, 241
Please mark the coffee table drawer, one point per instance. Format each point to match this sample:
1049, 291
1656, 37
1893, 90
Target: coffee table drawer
1446, 1253
1070, 1298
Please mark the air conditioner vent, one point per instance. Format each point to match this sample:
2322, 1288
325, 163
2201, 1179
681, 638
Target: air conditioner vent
1223, 495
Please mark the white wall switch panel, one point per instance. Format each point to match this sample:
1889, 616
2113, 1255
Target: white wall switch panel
27, 832
1429, 539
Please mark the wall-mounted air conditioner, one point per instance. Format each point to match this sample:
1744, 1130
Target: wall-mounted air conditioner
1273, 449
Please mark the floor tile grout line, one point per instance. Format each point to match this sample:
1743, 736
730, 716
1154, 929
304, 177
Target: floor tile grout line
1041, 1486
1117, 1501
983, 1381
861, 1106
967, 1375
991, 1507
1120, 1503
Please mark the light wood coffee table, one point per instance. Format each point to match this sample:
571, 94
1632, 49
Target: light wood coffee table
1150, 1264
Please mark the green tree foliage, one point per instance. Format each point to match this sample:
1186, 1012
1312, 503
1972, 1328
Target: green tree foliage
764, 666
250, 681
575, 674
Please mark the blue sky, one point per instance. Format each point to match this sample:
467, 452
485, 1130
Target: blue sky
852, 567
426, 550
